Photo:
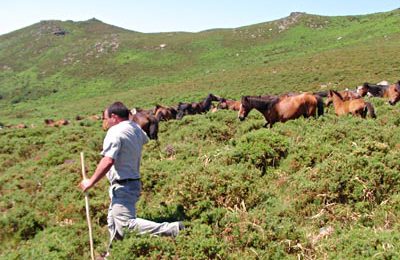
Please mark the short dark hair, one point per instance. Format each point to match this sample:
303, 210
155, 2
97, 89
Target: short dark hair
119, 109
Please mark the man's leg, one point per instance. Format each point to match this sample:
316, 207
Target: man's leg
122, 214
144, 226
122, 209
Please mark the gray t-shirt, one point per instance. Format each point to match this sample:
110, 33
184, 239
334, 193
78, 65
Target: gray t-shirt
124, 143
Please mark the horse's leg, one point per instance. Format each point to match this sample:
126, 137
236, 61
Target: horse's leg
305, 112
267, 119
320, 106
359, 112
311, 112
355, 113
272, 122
371, 110
363, 111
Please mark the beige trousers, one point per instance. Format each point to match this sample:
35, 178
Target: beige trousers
122, 214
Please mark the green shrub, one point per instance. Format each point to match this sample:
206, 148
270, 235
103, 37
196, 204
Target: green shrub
262, 148
22, 224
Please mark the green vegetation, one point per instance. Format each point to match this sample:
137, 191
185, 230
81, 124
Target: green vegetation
308, 188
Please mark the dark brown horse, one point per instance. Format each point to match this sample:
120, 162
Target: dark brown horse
346, 95
146, 120
356, 107
229, 104
390, 92
196, 107
163, 113
282, 108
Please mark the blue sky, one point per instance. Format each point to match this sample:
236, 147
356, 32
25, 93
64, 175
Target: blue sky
177, 15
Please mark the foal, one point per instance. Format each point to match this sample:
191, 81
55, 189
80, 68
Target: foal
356, 107
229, 104
346, 95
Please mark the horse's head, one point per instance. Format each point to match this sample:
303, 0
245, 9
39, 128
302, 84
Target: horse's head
328, 100
205, 105
334, 95
222, 104
164, 113
183, 109
156, 108
245, 108
160, 112
394, 93
363, 90
49, 121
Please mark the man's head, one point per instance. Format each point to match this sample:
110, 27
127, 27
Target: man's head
114, 114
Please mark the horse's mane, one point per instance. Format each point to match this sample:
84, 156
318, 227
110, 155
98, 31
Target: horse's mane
260, 101
214, 97
338, 94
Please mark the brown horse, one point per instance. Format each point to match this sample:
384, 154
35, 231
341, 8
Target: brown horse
144, 119
196, 107
356, 107
18, 126
282, 108
51, 122
346, 95
390, 92
163, 113
229, 104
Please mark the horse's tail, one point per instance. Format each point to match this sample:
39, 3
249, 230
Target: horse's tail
320, 105
371, 109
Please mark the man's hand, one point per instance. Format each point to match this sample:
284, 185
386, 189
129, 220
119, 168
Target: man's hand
85, 184
102, 168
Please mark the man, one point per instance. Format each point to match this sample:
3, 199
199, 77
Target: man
122, 152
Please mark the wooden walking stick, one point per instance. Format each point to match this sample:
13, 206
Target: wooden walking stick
87, 208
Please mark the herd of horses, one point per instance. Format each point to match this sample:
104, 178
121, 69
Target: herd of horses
148, 119
274, 108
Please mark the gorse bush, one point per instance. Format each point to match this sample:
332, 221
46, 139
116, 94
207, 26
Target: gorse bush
260, 148
22, 224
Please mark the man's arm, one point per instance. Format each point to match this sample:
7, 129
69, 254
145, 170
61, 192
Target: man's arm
102, 168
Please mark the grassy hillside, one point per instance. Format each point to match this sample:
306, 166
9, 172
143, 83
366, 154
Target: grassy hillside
324, 188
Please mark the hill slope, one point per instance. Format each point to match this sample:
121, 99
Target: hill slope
324, 188
93, 58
